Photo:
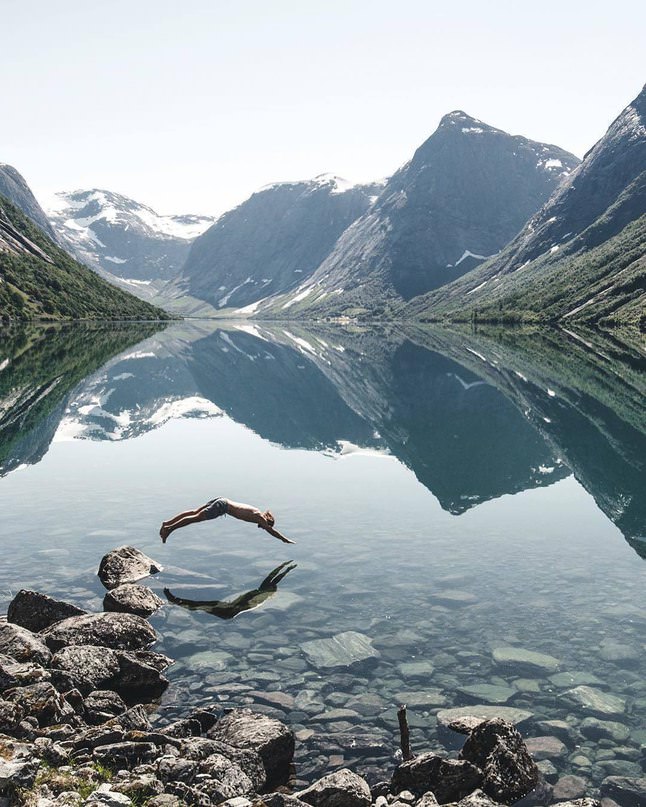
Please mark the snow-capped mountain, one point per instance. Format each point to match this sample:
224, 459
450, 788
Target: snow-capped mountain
123, 238
272, 241
466, 192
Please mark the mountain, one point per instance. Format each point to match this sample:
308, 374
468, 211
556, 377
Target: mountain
16, 190
466, 192
273, 241
122, 239
582, 256
39, 280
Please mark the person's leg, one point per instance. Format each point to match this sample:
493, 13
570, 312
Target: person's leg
181, 520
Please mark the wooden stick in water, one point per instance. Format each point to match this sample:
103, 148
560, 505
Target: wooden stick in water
404, 733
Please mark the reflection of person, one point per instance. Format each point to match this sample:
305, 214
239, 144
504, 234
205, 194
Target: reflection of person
245, 602
222, 507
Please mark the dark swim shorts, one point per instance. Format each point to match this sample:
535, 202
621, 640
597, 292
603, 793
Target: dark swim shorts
216, 507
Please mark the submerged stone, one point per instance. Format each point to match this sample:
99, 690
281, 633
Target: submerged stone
566, 680
416, 669
519, 657
489, 693
421, 699
596, 729
345, 650
599, 703
478, 713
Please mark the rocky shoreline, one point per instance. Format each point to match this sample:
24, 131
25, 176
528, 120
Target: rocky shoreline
77, 689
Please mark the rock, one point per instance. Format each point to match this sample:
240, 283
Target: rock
11, 714
140, 672
416, 669
525, 660
447, 779
465, 718
18, 767
612, 650
281, 700
43, 702
132, 599
421, 699
134, 719
601, 704
106, 797
18, 674
595, 729
126, 565
125, 754
477, 799
140, 787
547, 770
488, 693
429, 800
87, 667
114, 631
102, 705
333, 715
567, 680
22, 645
228, 780
580, 803
36, 611
282, 800
180, 729
570, 787
546, 747
498, 750
98, 736
164, 800
246, 758
339, 789
343, 651
453, 598
269, 738
626, 791
558, 728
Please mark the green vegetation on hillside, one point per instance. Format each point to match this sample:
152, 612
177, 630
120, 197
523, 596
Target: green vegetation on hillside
33, 288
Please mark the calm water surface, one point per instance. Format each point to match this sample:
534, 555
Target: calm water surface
450, 495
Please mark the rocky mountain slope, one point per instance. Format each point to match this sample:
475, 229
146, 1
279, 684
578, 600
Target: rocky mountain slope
273, 241
40, 280
125, 241
466, 192
17, 191
582, 256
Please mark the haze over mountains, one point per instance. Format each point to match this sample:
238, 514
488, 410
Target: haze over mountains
478, 224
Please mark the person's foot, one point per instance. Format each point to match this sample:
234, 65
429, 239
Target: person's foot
164, 532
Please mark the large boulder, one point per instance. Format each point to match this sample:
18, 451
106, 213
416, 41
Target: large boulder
247, 759
36, 611
498, 750
130, 598
126, 565
227, 779
448, 779
115, 631
102, 705
141, 673
269, 738
85, 667
339, 789
125, 754
23, 645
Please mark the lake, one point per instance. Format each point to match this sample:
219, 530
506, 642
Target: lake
470, 503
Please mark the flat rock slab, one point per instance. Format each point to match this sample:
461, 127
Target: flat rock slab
342, 651
339, 789
36, 611
452, 598
625, 790
126, 565
546, 747
421, 699
416, 669
116, 631
472, 716
598, 703
518, 657
489, 693
130, 598
567, 680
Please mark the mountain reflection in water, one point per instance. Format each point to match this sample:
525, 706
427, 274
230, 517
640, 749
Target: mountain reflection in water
473, 415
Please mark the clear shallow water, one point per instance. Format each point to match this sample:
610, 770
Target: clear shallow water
496, 501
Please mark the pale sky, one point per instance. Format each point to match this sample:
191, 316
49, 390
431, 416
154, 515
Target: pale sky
189, 106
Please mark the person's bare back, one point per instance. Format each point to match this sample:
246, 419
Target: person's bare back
220, 507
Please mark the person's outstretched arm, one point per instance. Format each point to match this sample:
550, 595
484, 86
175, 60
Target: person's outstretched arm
275, 533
